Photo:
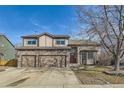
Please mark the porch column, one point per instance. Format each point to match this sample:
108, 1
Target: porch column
37, 60
78, 56
18, 58
19, 64
95, 57
67, 59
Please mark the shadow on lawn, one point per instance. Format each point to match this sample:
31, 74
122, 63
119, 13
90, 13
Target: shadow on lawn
17, 82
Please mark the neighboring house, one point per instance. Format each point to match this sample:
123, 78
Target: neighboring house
7, 50
56, 51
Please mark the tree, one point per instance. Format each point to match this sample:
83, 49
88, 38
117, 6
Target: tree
105, 24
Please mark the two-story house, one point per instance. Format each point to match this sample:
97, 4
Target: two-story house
47, 50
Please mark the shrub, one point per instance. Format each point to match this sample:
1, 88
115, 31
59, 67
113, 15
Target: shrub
2, 62
12, 63
105, 59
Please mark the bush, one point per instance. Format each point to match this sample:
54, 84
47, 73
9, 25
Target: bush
12, 63
105, 60
2, 62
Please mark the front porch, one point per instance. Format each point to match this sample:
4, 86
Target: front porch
83, 55
88, 57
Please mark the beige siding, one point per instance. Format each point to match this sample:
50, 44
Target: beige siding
42, 41
26, 42
45, 41
66, 43
49, 41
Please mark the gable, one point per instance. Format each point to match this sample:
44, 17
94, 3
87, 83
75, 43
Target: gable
45, 35
45, 40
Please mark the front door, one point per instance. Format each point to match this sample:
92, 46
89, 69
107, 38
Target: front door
84, 57
73, 58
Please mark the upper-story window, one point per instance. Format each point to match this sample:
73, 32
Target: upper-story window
32, 42
60, 41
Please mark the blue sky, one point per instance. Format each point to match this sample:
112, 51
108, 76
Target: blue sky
16, 21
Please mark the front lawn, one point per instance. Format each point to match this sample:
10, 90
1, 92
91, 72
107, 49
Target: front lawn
96, 76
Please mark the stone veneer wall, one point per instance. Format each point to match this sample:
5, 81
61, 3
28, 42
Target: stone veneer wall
37, 53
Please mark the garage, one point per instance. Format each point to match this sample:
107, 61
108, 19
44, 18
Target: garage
28, 61
52, 61
43, 57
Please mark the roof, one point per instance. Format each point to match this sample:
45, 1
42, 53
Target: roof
82, 42
48, 34
7, 39
37, 48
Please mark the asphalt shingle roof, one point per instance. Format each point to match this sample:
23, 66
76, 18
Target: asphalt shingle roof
82, 42
54, 36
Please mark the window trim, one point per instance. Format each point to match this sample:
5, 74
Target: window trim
90, 55
32, 41
60, 41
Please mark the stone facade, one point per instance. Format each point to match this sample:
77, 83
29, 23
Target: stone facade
43, 57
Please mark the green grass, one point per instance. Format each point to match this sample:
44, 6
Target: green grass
96, 76
98, 68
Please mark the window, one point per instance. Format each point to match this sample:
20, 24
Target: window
32, 41
90, 55
84, 55
60, 42
63, 42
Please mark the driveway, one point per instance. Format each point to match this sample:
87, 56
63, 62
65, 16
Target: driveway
37, 77
44, 78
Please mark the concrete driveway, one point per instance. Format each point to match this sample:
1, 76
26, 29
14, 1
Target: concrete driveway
32, 77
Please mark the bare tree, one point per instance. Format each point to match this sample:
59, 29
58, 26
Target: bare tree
105, 24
